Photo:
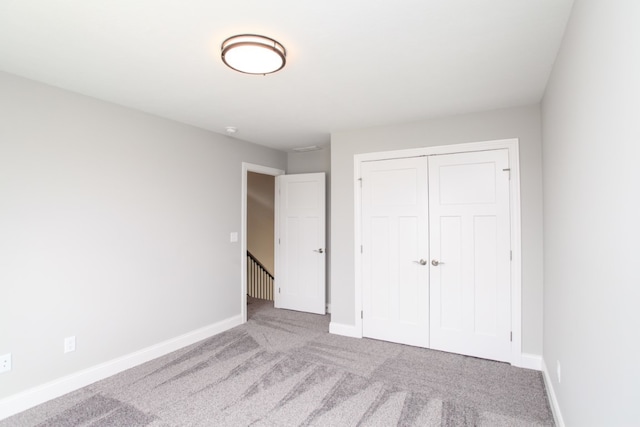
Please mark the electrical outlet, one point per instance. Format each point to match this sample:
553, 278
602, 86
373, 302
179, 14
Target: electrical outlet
559, 372
5, 362
70, 344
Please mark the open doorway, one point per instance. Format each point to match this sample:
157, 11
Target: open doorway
260, 237
257, 241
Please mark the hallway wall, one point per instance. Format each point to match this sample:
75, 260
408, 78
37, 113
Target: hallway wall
260, 218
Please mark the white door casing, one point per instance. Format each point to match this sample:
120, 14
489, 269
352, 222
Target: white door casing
469, 237
300, 243
246, 168
395, 251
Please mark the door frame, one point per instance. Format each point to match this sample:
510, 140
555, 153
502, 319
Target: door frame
265, 170
512, 145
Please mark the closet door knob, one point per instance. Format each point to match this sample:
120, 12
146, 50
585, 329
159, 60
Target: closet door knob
436, 263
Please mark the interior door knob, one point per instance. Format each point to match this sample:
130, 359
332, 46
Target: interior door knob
319, 250
421, 262
436, 263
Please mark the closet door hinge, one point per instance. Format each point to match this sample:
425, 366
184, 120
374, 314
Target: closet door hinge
361, 249
511, 336
361, 314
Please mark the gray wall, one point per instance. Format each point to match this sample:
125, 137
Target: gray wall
114, 227
310, 162
591, 129
522, 123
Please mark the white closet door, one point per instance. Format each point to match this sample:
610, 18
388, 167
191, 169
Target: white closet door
395, 251
470, 254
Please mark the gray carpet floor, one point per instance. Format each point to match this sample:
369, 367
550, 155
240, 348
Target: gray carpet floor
283, 368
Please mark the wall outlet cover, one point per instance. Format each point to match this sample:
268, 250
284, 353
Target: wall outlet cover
5, 362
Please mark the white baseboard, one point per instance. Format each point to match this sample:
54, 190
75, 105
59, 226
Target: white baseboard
531, 361
345, 330
29, 398
553, 401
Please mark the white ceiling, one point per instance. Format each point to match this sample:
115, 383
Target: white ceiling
350, 64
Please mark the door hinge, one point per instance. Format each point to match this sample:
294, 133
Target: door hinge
511, 336
361, 314
278, 290
361, 249
507, 170
360, 179
511, 255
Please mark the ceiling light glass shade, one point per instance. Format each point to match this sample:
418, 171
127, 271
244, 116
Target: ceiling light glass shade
253, 54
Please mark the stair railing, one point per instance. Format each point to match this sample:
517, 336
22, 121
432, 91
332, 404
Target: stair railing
259, 280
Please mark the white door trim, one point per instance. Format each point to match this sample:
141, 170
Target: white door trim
516, 266
265, 170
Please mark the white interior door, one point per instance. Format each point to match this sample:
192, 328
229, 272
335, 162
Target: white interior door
395, 251
470, 254
300, 243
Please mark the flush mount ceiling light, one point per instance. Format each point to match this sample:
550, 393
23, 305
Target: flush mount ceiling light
253, 54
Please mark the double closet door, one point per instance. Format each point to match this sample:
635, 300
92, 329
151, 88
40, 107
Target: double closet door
436, 252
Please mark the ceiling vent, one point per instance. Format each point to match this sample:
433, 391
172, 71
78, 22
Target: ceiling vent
305, 149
